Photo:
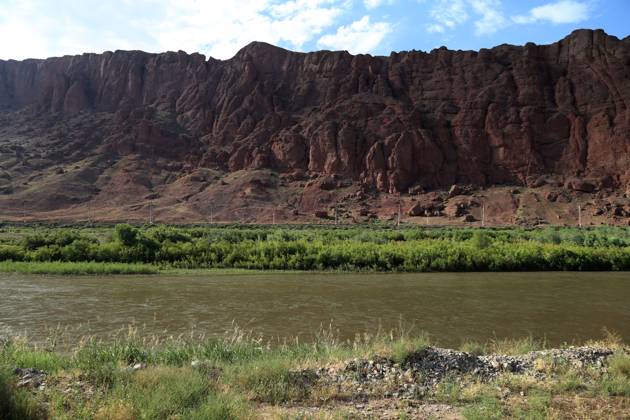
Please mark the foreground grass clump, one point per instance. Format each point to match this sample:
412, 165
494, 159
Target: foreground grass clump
239, 376
408, 249
130, 377
16, 403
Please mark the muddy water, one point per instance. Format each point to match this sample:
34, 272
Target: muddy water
563, 307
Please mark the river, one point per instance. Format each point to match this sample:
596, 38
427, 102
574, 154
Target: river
451, 307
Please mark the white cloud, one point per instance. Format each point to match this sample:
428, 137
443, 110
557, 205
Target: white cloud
360, 36
491, 17
31, 29
41, 28
566, 11
220, 29
488, 16
373, 4
447, 14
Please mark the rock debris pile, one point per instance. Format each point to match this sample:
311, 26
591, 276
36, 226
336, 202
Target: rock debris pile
425, 369
30, 378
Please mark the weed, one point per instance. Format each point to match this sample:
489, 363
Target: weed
619, 364
473, 347
515, 346
535, 407
488, 408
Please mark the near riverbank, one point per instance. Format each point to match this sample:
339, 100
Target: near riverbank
375, 376
125, 249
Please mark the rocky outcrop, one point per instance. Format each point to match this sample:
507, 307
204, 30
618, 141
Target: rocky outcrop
431, 204
409, 121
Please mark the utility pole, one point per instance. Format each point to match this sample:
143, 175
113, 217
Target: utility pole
273, 217
399, 211
336, 213
483, 214
23, 211
150, 212
211, 214
579, 215
426, 216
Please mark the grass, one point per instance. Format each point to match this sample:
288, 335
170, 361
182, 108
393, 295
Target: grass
516, 346
620, 365
234, 376
488, 408
511, 346
75, 268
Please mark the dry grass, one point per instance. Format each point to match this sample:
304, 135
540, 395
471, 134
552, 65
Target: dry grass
579, 407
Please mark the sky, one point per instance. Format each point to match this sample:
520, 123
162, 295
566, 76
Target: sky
219, 28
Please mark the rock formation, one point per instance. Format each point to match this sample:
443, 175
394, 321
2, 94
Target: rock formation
127, 124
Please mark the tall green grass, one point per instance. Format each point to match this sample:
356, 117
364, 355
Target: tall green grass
77, 268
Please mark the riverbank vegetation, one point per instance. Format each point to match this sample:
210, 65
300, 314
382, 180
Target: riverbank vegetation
394, 375
144, 249
75, 267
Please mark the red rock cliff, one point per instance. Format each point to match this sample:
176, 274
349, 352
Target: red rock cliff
413, 118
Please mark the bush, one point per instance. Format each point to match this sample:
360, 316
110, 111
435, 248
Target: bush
11, 253
126, 235
481, 239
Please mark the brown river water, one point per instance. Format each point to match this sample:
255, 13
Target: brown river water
451, 307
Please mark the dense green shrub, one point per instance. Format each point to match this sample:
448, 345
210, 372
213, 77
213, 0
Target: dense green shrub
11, 252
359, 249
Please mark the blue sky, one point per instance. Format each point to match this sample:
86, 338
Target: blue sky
218, 28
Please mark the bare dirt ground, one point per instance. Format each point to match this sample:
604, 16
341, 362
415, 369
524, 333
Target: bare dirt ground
206, 196
386, 409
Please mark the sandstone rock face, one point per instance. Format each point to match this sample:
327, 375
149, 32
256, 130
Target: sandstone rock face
412, 120
580, 185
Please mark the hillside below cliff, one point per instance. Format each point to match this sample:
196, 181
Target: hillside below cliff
513, 134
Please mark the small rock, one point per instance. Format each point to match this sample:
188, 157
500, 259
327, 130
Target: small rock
322, 214
455, 190
135, 367
539, 182
469, 218
577, 184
